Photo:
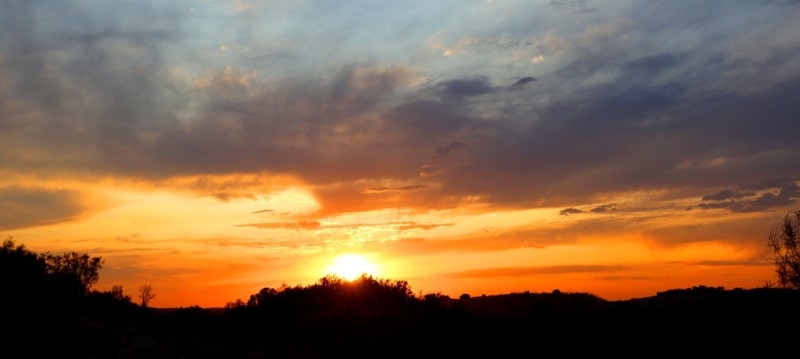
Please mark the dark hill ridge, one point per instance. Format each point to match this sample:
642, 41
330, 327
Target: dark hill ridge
698, 320
699, 300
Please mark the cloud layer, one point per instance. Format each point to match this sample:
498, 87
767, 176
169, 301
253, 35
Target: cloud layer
631, 100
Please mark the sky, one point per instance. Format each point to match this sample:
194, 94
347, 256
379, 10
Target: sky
213, 148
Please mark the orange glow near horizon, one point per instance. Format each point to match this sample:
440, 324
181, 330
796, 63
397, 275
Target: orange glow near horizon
198, 248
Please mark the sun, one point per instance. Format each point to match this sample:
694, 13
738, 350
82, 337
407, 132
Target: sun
351, 266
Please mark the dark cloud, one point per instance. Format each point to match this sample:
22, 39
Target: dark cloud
29, 207
568, 211
423, 121
524, 81
604, 208
228, 196
771, 194
468, 87
730, 205
767, 184
720, 196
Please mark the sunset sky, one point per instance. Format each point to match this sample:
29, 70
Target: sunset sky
213, 148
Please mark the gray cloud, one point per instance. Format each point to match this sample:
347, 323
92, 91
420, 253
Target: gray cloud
468, 87
86, 94
766, 184
604, 208
28, 207
779, 193
568, 211
781, 2
582, 6
599, 209
524, 81
720, 196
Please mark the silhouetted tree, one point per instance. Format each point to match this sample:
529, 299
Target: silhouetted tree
44, 297
146, 294
22, 275
32, 279
80, 267
783, 239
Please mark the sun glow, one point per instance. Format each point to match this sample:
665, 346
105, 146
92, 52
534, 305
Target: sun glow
351, 266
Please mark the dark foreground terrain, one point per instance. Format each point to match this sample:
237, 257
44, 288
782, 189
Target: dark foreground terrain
48, 310
381, 319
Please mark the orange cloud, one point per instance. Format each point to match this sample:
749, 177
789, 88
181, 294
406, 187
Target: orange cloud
528, 271
306, 225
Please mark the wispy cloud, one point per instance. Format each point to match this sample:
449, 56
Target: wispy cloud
762, 196
302, 225
530, 271
568, 211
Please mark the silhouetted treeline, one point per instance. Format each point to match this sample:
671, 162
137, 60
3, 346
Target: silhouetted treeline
48, 307
53, 313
